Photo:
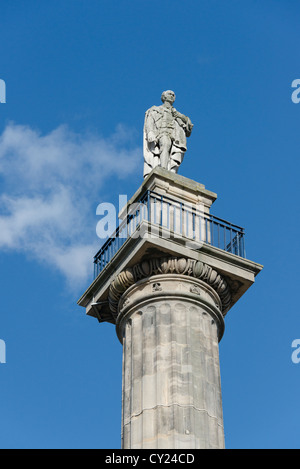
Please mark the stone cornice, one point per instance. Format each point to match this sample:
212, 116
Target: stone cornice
168, 265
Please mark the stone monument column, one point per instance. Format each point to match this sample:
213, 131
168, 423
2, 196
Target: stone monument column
166, 278
167, 289
170, 325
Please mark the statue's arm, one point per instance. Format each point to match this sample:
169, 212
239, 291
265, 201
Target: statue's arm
186, 122
150, 128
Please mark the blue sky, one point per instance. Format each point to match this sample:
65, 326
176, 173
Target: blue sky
80, 76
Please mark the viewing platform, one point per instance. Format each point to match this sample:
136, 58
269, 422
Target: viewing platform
162, 215
169, 216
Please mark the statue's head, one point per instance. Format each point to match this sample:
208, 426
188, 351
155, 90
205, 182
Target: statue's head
168, 96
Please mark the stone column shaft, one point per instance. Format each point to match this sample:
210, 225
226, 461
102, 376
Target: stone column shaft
170, 326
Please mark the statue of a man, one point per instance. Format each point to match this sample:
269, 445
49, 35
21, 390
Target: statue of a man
165, 132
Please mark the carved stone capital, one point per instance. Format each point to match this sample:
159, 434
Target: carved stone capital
169, 265
175, 291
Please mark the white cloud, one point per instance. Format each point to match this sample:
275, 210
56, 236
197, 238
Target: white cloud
49, 185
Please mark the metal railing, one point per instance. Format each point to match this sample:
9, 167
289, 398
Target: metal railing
176, 219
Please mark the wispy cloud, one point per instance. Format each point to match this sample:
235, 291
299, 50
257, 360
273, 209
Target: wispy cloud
49, 185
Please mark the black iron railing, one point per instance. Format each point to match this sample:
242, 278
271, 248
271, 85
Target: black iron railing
177, 219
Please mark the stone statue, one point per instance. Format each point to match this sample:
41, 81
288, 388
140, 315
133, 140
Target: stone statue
165, 132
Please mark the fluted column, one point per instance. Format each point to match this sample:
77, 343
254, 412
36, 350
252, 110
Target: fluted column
170, 324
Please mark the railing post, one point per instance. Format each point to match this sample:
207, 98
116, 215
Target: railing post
194, 225
149, 206
243, 242
180, 218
